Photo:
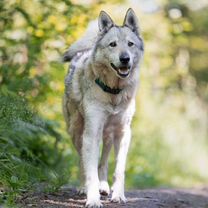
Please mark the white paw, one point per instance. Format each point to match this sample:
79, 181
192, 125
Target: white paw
118, 198
93, 204
82, 191
93, 196
104, 188
118, 193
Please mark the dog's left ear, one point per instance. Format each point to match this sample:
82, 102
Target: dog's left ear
104, 21
131, 21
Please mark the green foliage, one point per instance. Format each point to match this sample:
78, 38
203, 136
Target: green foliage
29, 152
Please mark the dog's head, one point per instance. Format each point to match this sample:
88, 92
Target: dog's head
118, 48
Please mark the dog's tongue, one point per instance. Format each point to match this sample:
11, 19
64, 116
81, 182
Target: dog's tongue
123, 69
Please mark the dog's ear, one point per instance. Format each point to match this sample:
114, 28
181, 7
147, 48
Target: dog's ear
104, 21
131, 21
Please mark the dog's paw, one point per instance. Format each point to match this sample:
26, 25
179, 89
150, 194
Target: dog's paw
82, 191
93, 204
104, 188
118, 198
118, 194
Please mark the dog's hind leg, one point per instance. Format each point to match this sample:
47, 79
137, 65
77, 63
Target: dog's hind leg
103, 167
76, 129
82, 188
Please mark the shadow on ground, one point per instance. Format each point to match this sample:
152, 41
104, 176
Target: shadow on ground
149, 198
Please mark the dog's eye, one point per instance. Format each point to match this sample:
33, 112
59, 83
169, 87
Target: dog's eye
130, 44
113, 44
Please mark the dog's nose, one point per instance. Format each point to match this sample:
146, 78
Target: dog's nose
124, 58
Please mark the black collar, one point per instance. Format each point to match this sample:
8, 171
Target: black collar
106, 88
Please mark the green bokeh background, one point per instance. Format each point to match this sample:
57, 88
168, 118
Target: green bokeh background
170, 127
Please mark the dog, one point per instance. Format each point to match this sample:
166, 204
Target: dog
99, 101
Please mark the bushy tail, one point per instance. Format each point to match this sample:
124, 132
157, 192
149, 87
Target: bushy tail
86, 42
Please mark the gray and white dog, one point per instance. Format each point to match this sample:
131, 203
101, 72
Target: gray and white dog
99, 101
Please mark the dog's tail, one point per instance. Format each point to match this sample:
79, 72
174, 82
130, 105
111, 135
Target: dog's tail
86, 42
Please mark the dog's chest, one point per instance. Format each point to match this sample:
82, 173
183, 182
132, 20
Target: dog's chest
113, 110
118, 103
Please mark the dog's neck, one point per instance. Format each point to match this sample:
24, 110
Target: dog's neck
106, 88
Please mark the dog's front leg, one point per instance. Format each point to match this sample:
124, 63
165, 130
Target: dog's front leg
94, 121
121, 145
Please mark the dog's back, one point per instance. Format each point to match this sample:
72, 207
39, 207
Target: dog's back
86, 42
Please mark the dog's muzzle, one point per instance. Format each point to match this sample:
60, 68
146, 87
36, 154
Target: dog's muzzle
122, 71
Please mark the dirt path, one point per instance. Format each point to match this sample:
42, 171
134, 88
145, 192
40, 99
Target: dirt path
149, 198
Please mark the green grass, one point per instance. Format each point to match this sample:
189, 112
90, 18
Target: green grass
29, 150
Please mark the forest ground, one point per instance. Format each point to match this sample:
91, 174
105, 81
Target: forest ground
147, 198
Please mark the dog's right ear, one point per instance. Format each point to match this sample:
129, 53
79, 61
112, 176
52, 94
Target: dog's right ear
104, 21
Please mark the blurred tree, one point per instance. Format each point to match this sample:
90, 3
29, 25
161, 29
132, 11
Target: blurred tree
29, 44
189, 31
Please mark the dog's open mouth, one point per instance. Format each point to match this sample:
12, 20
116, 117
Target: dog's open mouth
121, 71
